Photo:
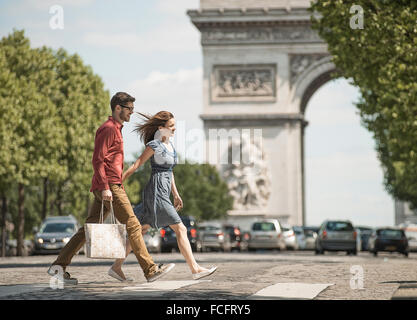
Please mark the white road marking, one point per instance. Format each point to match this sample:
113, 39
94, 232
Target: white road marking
290, 291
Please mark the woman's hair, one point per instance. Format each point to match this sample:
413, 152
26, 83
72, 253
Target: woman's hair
147, 129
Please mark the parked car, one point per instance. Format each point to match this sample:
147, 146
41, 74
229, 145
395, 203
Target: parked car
310, 235
292, 237
169, 238
153, 240
411, 233
245, 237
215, 236
363, 236
54, 234
336, 235
388, 239
266, 234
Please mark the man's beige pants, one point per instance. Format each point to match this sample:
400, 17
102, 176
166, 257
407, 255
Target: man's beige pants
124, 213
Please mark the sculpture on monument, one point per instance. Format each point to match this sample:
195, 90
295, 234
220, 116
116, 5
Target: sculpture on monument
247, 177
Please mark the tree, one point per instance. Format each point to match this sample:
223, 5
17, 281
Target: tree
204, 193
30, 115
51, 106
382, 61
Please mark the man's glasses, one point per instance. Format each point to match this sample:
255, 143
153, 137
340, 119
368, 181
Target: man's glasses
130, 108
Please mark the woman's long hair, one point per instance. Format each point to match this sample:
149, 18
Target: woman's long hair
147, 129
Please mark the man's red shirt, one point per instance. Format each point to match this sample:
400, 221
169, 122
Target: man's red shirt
108, 155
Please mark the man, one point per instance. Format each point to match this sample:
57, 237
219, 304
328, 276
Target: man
107, 185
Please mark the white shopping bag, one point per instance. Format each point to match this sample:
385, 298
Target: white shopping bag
105, 241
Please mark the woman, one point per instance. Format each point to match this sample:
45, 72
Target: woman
156, 209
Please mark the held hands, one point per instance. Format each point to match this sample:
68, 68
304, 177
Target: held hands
178, 203
107, 195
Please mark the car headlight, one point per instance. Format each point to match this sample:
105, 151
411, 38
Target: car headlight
65, 240
40, 240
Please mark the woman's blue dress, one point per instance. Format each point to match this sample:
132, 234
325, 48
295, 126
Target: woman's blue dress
156, 208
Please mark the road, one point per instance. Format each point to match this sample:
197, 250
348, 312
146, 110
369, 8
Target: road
241, 276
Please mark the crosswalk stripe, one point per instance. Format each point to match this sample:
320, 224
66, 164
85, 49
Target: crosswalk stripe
290, 291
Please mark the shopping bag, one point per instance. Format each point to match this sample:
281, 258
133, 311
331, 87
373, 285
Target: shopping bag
105, 240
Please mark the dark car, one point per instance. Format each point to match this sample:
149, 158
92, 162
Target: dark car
54, 234
363, 236
169, 238
235, 236
388, 239
336, 235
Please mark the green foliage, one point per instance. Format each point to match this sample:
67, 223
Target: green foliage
51, 106
381, 59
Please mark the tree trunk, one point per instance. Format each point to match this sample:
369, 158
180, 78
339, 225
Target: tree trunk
45, 198
20, 220
3, 225
59, 201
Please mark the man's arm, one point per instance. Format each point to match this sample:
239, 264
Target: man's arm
146, 154
103, 141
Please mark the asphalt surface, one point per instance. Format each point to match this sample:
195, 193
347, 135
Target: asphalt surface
240, 276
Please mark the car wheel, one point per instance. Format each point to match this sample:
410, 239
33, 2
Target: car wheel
355, 252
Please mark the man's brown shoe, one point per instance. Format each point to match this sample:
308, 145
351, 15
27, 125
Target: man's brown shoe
163, 269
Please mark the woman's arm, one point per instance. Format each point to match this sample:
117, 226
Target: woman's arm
178, 204
147, 153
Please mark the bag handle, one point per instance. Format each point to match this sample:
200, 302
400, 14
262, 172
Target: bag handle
112, 217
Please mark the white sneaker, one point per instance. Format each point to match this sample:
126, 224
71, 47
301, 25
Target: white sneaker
163, 269
203, 274
113, 274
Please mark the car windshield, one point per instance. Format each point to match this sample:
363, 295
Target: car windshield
58, 227
339, 226
263, 226
298, 230
388, 233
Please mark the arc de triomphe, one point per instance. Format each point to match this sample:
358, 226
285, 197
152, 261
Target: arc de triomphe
262, 63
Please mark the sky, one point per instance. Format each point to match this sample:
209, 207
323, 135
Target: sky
148, 48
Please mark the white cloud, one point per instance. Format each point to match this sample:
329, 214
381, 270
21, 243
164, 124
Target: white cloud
177, 7
175, 37
179, 92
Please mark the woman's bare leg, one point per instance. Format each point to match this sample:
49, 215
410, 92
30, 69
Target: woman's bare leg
185, 247
117, 265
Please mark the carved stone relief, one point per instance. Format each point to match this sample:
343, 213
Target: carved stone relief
243, 82
300, 62
248, 179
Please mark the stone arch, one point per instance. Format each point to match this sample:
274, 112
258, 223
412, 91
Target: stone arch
311, 79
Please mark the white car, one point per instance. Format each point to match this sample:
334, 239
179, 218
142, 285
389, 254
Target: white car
266, 234
294, 237
411, 233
